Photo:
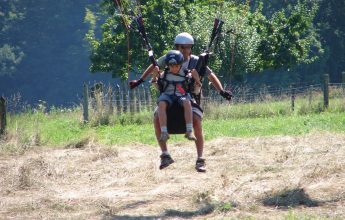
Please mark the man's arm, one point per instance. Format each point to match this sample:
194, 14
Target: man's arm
146, 73
149, 70
217, 85
214, 80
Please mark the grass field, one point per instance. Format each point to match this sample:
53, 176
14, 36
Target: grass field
59, 129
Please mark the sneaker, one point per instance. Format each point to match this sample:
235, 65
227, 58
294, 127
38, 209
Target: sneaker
190, 136
166, 160
200, 165
164, 137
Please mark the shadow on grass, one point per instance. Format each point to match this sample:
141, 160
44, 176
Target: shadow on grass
290, 198
204, 210
169, 213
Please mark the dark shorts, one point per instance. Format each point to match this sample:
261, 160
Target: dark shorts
195, 109
173, 98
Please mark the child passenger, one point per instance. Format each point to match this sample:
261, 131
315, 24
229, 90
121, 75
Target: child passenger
173, 89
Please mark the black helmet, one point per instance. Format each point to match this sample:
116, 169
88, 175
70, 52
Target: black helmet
173, 57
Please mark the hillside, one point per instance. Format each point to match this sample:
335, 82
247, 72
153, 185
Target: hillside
253, 177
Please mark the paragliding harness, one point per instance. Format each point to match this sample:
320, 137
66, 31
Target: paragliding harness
176, 123
183, 86
175, 113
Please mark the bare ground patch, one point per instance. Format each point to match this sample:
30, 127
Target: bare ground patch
260, 178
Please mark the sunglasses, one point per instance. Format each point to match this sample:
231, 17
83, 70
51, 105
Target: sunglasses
185, 46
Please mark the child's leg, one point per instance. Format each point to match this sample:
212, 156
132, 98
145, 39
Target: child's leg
162, 106
162, 115
188, 115
163, 102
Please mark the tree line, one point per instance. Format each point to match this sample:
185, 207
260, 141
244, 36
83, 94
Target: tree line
274, 41
259, 35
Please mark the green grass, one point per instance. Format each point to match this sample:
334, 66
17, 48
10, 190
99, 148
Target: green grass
272, 108
59, 129
279, 125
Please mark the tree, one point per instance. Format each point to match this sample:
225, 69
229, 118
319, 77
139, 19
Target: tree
329, 20
11, 53
289, 37
51, 34
163, 20
250, 42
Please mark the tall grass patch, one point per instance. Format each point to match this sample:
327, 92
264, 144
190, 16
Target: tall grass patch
279, 125
40, 128
303, 105
265, 116
215, 111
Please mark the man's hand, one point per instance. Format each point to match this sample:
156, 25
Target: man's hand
226, 94
135, 83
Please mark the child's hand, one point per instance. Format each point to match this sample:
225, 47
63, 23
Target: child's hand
155, 72
156, 76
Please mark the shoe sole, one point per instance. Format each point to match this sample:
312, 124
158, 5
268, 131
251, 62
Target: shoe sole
201, 170
190, 138
161, 167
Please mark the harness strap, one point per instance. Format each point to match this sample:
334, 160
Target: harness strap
163, 83
180, 89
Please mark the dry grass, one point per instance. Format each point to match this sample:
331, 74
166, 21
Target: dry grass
259, 178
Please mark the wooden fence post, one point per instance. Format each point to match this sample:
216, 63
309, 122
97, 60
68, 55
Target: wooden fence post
293, 97
326, 91
131, 101
148, 99
140, 98
136, 99
144, 99
310, 98
86, 104
111, 107
343, 81
125, 103
2, 116
118, 99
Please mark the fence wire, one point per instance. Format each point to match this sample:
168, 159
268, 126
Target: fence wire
121, 99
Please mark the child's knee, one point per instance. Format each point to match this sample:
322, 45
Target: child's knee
186, 103
162, 104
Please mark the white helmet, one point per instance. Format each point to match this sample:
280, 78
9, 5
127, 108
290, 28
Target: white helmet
184, 38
